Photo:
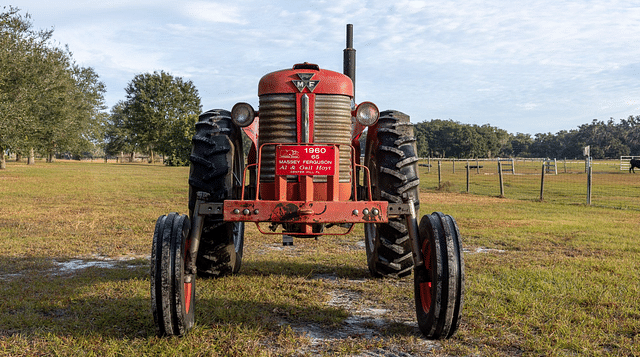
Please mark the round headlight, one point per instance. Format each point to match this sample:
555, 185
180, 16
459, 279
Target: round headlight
243, 114
367, 113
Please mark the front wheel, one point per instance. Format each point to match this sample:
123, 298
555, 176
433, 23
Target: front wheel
439, 283
172, 289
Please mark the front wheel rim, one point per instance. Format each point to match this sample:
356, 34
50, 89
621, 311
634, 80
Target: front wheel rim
187, 297
425, 286
188, 282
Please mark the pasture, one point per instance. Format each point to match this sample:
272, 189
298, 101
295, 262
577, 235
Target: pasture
543, 278
610, 186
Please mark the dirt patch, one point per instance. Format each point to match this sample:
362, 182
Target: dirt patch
65, 267
73, 265
365, 321
482, 250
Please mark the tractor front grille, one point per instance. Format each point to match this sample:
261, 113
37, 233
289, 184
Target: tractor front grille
332, 125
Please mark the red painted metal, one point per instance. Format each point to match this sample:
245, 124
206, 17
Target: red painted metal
252, 131
306, 190
330, 82
425, 287
305, 212
306, 160
280, 189
305, 202
357, 130
269, 191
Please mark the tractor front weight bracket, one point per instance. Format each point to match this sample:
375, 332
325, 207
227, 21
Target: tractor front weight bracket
197, 222
300, 212
412, 227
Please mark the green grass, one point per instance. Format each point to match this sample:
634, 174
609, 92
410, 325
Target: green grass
559, 278
610, 186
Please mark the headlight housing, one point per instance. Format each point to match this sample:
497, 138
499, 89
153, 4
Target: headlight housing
367, 113
243, 114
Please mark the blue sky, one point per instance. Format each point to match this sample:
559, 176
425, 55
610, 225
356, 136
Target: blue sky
531, 67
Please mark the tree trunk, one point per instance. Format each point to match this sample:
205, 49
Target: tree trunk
3, 160
32, 157
151, 156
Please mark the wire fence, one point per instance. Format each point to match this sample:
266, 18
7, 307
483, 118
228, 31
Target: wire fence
606, 183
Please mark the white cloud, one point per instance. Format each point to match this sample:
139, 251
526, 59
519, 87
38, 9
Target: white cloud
215, 12
528, 106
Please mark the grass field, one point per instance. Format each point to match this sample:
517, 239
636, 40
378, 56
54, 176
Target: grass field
543, 278
610, 187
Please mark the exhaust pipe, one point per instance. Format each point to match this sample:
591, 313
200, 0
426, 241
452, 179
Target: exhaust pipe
349, 60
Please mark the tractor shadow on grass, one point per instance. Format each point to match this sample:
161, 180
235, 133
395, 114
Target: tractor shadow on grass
75, 297
323, 302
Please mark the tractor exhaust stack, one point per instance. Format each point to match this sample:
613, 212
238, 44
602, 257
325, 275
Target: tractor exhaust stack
349, 62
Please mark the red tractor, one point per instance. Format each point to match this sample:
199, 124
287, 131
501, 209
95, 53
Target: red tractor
306, 176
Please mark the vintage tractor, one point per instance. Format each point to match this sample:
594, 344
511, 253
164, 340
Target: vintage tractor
305, 177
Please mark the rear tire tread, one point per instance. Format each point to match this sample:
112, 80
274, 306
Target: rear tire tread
217, 152
391, 156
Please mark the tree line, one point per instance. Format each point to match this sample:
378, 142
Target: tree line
48, 103
448, 138
51, 106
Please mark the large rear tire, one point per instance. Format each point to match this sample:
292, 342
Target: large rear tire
439, 283
391, 158
217, 166
172, 289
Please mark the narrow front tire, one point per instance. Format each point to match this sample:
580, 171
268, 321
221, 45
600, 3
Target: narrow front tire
439, 283
172, 288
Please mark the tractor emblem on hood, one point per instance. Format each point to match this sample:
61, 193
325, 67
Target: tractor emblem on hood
305, 82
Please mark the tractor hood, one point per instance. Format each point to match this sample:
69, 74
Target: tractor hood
306, 78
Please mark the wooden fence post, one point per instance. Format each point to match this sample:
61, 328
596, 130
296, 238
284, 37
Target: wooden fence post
542, 183
589, 172
501, 182
467, 176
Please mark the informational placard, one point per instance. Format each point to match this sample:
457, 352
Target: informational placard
305, 160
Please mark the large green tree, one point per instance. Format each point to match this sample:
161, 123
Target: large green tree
47, 102
161, 111
89, 114
116, 137
22, 53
